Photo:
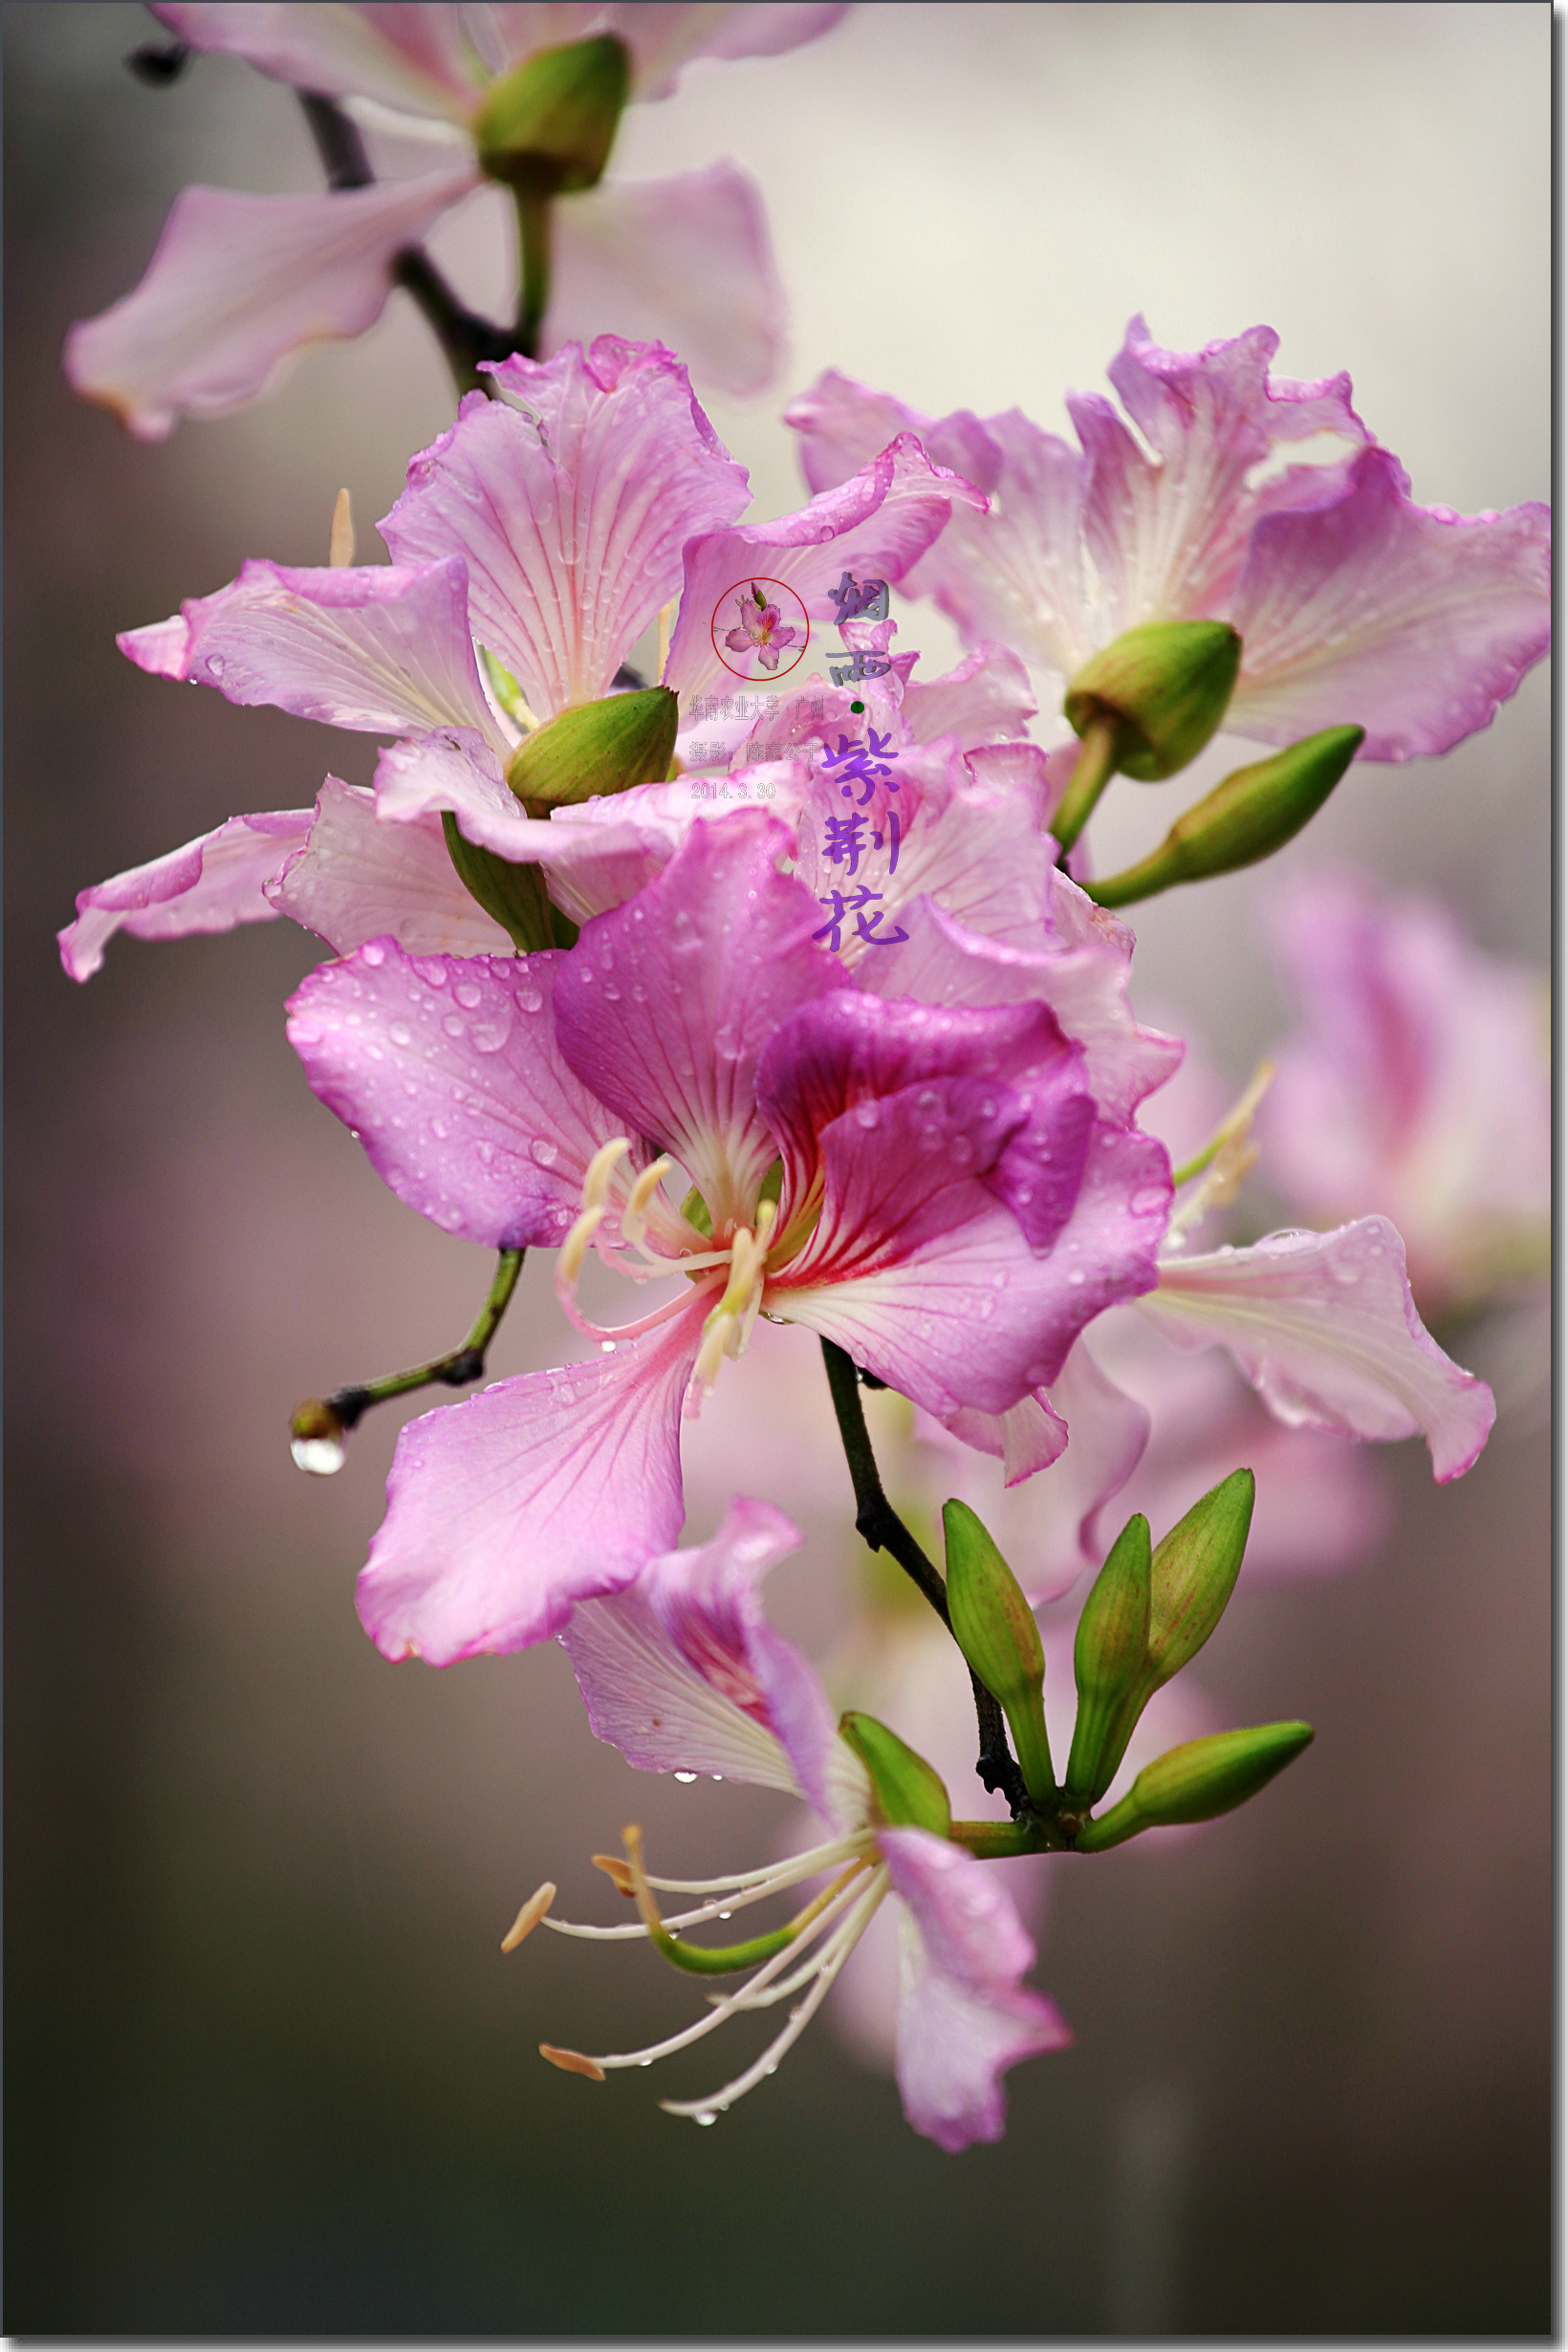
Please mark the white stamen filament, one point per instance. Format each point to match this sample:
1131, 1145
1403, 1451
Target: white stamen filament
595, 1185
846, 1932
575, 1247
729, 1326
731, 1898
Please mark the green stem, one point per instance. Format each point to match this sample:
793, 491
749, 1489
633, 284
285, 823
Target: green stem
995, 1841
454, 1370
534, 255
1096, 766
881, 1527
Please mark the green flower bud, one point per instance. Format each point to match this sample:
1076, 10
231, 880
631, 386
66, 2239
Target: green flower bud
514, 895
1193, 1783
1193, 1572
548, 125
1110, 1653
1166, 685
1253, 813
994, 1627
596, 748
909, 1795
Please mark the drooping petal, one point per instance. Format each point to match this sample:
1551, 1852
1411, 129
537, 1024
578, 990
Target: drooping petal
1412, 622
414, 55
238, 284
208, 885
382, 649
964, 2016
505, 1510
1027, 1438
664, 36
356, 878
875, 524
569, 499
685, 261
449, 1071
1324, 1327
666, 1004
1169, 535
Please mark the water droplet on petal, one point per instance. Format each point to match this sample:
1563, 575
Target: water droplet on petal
685, 1776
467, 994
543, 1154
374, 953
401, 1033
322, 1456
530, 1000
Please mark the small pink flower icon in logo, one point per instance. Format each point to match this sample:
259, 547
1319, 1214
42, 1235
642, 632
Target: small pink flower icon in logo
763, 632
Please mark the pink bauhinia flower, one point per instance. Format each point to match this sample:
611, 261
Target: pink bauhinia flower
1418, 1084
1355, 605
239, 284
547, 528
948, 1192
683, 1673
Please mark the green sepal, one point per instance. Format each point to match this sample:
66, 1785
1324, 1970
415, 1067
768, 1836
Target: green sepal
547, 126
1110, 1653
909, 1794
1252, 814
1166, 684
996, 1630
513, 895
1197, 1782
595, 749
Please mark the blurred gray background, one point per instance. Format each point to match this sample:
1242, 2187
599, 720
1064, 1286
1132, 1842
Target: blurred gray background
267, 2070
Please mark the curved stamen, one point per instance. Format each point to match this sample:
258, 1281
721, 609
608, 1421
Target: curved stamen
731, 1899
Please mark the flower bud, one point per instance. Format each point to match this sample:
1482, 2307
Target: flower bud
596, 748
1253, 813
1196, 1782
1167, 686
550, 123
909, 1795
513, 895
994, 1627
1110, 1653
1193, 1572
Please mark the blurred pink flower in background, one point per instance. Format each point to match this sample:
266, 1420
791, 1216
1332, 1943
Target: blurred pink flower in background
240, 284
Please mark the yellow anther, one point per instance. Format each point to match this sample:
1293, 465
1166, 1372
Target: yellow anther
340, 545
572, 2061
634, 1222
615, 1871
595, 1185
575, 1247
529, 1916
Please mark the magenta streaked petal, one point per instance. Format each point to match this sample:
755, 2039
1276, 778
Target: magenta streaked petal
378, 648
505, 1510
1324, 1327
685, 261
356, 878
964, 2016
877, 524
569, 499
413, 54
237, 285
1367, 610
664, 1005
209, 884
448, 1069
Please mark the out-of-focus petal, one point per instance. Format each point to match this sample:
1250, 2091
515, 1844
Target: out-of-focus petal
685, 261
1367, 610
415, 54
237, 285
664, 1005
449, 1071
875, 524
505, 1510
210, 884
964, 2016
1324, 1327
664, 36
380, 648
356, 880
570, 499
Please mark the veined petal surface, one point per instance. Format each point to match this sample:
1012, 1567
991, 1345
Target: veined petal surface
209, 884
357, 879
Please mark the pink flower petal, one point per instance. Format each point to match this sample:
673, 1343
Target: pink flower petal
664, 36
664, 1005
380, 648
356, 878
875, 524
685, 261
1412, 622
412, 54
448, 1072
208, 885
569, 499
988, 696
237, 285
505, 1510
1027, 1438
1324, 1327
964, 2016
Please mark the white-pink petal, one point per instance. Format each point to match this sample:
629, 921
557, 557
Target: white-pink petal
209, 884
1324, 1327
356, 878
237, 285
416, 54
